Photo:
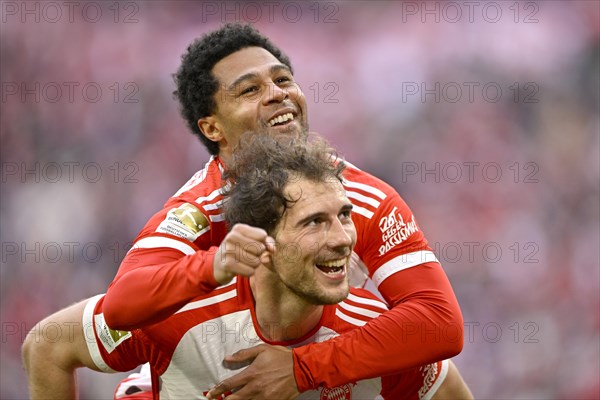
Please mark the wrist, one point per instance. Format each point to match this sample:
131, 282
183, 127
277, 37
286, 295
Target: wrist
208, 273
219, 275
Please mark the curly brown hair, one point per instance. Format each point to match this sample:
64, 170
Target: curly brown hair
263, 165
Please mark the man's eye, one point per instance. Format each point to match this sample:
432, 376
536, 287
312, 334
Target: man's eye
250, 89
283, 79
346, 214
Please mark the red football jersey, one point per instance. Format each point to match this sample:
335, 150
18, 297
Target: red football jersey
186, 350
171, 263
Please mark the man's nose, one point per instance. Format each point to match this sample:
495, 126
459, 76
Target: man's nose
274, 93
340, 236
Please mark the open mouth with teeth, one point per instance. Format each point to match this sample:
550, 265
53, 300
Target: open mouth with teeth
336, 268
281, 120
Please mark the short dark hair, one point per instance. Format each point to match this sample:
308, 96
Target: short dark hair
196, 85
263, 165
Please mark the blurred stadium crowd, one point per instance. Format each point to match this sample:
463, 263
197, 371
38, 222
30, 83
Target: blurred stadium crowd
487, 124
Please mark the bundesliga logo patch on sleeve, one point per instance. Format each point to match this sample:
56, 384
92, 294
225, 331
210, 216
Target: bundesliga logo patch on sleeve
109, 338
185, 221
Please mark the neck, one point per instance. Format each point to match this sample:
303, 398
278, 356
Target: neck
281, 314
225, 157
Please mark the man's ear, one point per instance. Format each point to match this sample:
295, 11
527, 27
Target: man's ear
211, 128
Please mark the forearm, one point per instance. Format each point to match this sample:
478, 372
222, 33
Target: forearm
454, 387
51, 364
424, 326
48, 381
148, 294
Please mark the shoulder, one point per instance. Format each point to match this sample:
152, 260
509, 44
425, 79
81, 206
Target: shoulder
191, 212
371, 197
356, 178
203, 186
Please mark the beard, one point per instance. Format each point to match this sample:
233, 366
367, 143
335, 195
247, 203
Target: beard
312, 292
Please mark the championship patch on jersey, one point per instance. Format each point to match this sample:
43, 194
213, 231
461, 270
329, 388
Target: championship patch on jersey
394, 230
110, 338
185, 221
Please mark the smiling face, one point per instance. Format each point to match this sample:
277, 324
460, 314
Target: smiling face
315, 238
256, 93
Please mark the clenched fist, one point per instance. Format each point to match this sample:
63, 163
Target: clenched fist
243, 250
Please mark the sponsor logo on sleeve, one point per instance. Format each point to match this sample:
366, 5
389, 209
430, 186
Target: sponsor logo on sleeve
185, 221
110, 338
394, 230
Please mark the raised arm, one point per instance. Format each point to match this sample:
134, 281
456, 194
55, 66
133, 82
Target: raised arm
153, 283
175, 258
170, 271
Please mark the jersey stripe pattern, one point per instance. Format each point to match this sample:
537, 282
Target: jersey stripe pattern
186, 350
172, 261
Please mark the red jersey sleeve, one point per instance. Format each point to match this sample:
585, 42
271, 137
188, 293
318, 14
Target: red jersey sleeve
424, 324
112, 350
171, 261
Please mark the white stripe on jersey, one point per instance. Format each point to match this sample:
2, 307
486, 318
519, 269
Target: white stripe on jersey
207, 302
366, 188
402, 262
233, 282
369, 200
213, 206
210, 197
217, 218
370, 302
362, 211
88, 332
154, 242
358, 310
349, 319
